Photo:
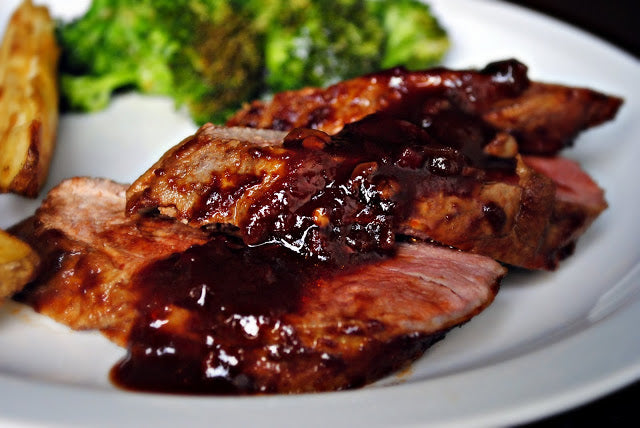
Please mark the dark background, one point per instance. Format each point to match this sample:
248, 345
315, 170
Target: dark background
617, 21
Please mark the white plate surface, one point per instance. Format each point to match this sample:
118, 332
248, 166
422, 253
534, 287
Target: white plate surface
549, 342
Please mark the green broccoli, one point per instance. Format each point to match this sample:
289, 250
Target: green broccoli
221, 67
191, 50
315, 44
415, 39
114, 45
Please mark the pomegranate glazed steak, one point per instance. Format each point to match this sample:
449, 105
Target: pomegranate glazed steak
240, 319
329, 251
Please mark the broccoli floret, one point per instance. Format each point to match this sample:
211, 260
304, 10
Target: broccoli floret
415, 39
114, 45
315, 44
92, 93
220, 68
193, 50
312, 43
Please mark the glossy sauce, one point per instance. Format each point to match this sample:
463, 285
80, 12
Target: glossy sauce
348, 193
213, 316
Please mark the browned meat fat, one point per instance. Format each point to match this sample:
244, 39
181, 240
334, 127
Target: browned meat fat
240, 319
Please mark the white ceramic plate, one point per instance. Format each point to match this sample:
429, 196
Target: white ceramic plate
549, 342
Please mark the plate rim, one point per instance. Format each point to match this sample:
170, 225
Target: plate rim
599, 385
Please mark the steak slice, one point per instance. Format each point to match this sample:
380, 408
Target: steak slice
203, 313
578, 202
89, 252
544, 118
355, 191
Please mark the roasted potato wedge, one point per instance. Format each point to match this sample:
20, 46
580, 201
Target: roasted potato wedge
18, 264
28, 100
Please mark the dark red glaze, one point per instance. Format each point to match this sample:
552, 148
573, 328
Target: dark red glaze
224, 318
348, 193
204, 312
544, 118
472, 91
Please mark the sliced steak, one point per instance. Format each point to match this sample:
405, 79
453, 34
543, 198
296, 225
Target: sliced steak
544, 118
354, 191
579, 201
89, 251
203, 313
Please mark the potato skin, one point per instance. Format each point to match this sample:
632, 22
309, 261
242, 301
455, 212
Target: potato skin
28, 100
18, 264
